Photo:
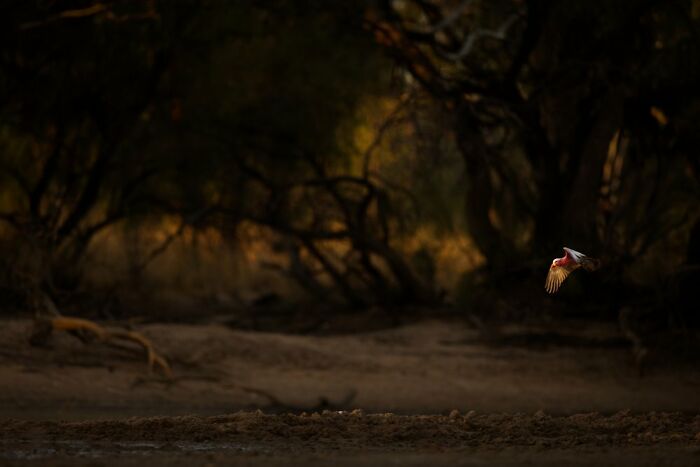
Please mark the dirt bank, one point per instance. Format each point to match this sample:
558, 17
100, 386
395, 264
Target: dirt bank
349, 430
429, 368
358, 438
574, 398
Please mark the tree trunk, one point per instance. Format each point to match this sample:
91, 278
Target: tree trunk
479, 190
581, 209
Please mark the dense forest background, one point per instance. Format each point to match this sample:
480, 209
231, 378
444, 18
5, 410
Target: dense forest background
339, 156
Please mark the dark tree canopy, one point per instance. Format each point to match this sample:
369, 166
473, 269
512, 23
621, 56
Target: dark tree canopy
524, 125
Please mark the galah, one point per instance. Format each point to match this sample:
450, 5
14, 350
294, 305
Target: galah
562, 267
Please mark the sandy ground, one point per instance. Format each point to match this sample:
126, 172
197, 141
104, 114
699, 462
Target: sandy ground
561, 401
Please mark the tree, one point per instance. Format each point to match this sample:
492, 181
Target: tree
215, 113
76, 84
572, 119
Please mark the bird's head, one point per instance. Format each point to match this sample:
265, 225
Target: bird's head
555, 264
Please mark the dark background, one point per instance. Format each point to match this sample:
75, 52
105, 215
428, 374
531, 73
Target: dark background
283, 163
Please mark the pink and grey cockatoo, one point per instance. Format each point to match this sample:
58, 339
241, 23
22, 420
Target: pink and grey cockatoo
562, 267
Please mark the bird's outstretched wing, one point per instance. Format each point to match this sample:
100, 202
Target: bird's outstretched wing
573, 254
557, 275
586, 262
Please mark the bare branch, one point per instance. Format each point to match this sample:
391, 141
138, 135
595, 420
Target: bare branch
104, 9
90, 331
452, 17
471, 39
383, 128
478, 33
449, 19
47, 172
165, 244
68, 14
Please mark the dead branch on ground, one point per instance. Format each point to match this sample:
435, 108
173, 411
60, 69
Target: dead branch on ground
89, 331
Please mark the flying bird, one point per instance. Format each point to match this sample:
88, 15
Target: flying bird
562, 267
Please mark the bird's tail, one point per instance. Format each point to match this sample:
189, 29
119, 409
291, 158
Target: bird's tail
590, 264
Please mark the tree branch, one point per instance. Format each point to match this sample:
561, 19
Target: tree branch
447, 20
479, 33
68, 14
46, 173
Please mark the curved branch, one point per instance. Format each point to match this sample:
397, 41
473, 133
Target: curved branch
479, 33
